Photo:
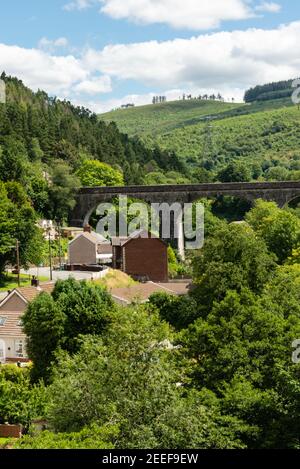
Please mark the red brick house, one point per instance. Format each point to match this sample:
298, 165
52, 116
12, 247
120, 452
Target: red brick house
141, 255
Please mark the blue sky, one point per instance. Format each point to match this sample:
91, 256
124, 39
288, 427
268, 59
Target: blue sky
102, 53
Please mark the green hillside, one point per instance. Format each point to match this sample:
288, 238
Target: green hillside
261, 135
37, 131
159, 118
264, 136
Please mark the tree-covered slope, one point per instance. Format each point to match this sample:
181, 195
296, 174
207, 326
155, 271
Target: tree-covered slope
270, 91
39, 130
267, 138
263, 134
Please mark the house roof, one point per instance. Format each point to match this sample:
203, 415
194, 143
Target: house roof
12, 326
93, 237
28, 293
122, 240
179, 288
142, 291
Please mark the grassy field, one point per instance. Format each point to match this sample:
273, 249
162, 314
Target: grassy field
10, 281
159, 118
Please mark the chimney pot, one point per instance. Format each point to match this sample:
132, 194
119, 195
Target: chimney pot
87, 229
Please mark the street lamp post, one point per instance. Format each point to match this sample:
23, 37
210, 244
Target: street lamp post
50, 255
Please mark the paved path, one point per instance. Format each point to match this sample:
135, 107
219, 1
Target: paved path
57, 274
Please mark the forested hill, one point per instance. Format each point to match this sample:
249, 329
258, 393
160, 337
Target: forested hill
256, 140
38, 129
275, 90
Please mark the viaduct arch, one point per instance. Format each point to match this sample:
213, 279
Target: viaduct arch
88, 198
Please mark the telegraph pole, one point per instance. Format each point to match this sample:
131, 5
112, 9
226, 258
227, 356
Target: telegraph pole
50, 256
59, 242
18, 261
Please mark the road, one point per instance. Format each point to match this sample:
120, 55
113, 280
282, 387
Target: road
57, 274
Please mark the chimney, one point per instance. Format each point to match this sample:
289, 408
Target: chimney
87, 229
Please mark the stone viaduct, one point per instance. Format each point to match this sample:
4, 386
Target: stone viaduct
89, 198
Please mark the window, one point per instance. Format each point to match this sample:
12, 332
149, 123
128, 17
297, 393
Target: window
19, 348
2, 320
2, 351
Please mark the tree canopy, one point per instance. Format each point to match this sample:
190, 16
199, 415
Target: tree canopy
93, 173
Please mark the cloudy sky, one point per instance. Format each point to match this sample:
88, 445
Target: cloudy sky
102, 53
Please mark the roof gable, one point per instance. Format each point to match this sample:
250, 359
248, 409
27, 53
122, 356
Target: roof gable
11, 295
27, 294
143, 234
94, 238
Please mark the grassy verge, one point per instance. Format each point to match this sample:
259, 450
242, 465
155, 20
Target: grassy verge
10, 281
7, 442
115, 279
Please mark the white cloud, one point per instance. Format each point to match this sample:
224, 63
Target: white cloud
95, 85
191, 14
55, 74
269, 7
51, 45
227, 62
188, 14
58, 75
79, 5
240, 58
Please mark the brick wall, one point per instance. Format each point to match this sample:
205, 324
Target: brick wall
146, 257
10, 431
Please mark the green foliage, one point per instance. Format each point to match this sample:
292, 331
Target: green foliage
280, 229
276, 90
37, 130
211, 135
20, 402
43, 324
235, 172
18, 222
284, 289
230, 208
179, 311
162, 118
160, 178
172, 261
58, 321
62, 191
150, 410
87, 309
93, 173
242, 351
92, 437
233, 258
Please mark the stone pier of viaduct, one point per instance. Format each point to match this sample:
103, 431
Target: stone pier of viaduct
89, 198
